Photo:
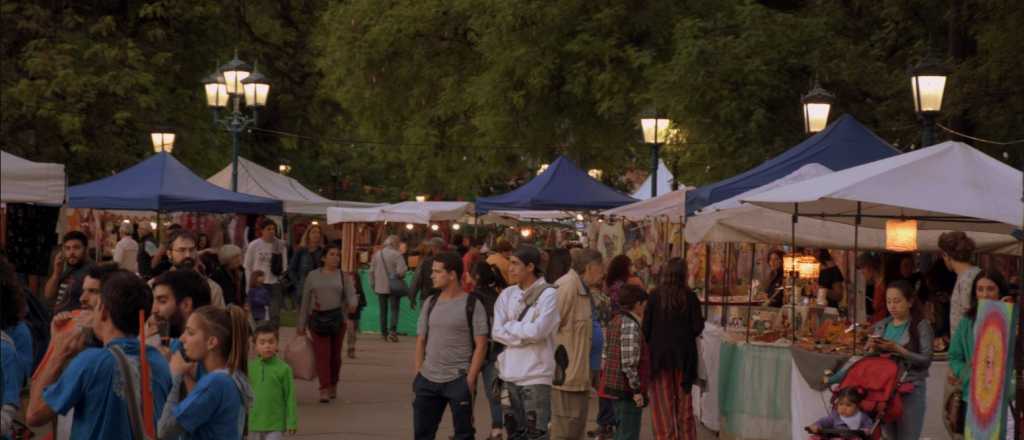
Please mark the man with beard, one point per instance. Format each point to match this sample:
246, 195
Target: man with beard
182, 252
176, 294
64, 287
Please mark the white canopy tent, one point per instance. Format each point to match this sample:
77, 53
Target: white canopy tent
513, 217
665, 180
949, 186
670, 206
404, 212
256, 180
24, 181
736, 222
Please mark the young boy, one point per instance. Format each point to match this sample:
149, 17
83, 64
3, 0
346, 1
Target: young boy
274, 410
621, 360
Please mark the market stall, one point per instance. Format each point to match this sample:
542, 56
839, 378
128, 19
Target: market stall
356, 222
30, 196
773, 389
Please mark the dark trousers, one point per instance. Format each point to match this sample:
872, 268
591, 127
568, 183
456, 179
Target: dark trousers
606, 413
430, 402
385, 300
327, 351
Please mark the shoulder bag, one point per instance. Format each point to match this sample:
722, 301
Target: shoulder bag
328, 322
396, 285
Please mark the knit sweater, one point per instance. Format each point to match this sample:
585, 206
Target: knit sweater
274, 409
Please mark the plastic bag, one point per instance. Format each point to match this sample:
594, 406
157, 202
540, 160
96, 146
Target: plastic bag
299, 355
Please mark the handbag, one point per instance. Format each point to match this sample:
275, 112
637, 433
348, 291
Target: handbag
299, 355
277, 264
955, 412
396, 285
326, 322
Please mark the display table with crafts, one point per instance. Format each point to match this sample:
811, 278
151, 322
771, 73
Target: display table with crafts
760, 390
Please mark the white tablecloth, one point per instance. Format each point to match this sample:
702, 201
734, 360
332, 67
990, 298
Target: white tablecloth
705, 401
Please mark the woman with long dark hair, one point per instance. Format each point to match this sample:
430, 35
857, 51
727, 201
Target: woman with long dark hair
774, 284
671, 326
906, 334
488, 284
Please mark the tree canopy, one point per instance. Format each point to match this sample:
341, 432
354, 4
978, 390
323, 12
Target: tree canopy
382, 99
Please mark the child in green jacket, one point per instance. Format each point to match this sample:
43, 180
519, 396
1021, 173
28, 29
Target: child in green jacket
274, 410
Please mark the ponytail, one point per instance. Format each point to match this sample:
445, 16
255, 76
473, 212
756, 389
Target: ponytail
238, 356
230, 326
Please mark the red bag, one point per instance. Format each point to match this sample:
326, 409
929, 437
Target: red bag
299, 355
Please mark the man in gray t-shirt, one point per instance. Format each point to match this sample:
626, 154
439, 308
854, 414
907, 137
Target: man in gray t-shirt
448, 358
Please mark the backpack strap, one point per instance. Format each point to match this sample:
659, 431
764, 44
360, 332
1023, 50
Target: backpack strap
431, 302
134, 415
470, 309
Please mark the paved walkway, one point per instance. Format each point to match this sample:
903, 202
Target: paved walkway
375, 397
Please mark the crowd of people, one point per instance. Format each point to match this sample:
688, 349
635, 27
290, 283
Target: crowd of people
544, 329
540, 332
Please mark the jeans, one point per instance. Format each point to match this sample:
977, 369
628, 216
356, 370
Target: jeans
384, 300
629, 419
606, 413
276, 301
490, 373
530, 411
911, 423
432, 398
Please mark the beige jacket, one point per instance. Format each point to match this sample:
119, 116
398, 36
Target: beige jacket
574, 331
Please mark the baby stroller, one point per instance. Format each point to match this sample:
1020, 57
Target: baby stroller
881, 380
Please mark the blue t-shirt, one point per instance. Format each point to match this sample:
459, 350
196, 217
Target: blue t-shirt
13, 375
213, 410
175, 346
91, 384
894, 333
22, 337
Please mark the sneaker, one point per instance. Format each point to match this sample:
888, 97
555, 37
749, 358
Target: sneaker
393, 337
325, 396
351, 353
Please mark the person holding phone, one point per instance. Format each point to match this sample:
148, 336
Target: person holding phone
908, 336
70, 265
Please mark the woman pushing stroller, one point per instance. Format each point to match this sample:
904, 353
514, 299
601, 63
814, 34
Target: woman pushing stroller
906, 336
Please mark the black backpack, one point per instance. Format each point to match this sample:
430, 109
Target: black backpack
38, 321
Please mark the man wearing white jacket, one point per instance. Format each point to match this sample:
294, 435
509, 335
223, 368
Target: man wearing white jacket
525, 321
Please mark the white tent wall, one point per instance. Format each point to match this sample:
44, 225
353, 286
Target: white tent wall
404, 212
665, 180
259, 181
24, 181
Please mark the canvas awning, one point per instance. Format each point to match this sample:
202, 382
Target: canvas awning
161, 183
670, 207
404, 212
844, 144
256, 180
24, 181
731, 221
949, 186
563, 186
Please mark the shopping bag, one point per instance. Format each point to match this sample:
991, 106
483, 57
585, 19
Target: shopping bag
299, 355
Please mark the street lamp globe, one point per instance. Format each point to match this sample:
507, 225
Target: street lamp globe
163, 142
256, 87
216, 91
284, 168
928, 83
234, 72
816, 105
656, 130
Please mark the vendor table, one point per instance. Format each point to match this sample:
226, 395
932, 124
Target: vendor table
369, 321
753, 391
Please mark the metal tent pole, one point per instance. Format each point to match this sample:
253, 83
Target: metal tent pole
856, 245
792, 296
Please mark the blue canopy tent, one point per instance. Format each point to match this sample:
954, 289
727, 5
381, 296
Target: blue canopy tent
843, 144
161, 183
563, 186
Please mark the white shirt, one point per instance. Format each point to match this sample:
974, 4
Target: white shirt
126, 254
258, 255
529, 356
